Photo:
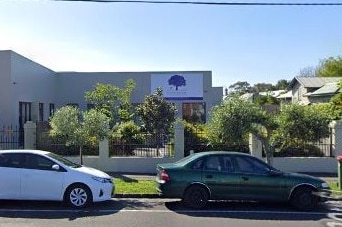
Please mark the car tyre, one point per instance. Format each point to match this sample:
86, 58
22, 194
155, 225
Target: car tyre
304, 199
78, 196
196, 197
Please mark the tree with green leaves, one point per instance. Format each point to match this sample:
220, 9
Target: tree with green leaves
235, 118
239, 88
114, 101
336, 104
282, 85
330, 67
79, 128
299, 125
157, 115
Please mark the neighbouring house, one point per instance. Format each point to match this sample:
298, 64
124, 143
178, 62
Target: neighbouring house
32, 92
309, 90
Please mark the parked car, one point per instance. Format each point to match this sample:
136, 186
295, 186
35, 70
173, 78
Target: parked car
221, 175
42, 175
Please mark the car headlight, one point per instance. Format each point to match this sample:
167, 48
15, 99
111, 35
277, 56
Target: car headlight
325, 185
102, 180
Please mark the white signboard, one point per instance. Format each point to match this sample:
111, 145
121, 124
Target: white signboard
178, 86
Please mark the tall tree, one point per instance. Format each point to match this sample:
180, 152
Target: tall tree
79, 128
115, 102
330, 67
262, 87
309, 71
282, 85
239, 88
157, 114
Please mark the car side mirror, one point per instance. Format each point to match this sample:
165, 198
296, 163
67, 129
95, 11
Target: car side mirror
56, 167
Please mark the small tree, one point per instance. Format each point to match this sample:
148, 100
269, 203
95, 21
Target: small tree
157, 115
79, 128
235, 118
115, 102
299, 125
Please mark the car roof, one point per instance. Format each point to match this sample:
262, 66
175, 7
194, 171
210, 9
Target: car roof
24, 151
220, 153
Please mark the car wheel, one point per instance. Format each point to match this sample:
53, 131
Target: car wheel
196, 197
304, 199
78, 196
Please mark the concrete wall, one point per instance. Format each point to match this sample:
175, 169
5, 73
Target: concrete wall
306, 164
23, 80
5, 88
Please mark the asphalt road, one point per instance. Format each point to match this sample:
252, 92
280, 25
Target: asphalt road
166, 212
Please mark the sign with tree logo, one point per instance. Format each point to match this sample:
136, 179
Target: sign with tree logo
177, 86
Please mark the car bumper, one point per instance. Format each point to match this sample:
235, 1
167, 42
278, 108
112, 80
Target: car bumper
103, 192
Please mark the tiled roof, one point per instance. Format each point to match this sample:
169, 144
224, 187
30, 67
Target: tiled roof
328, 88
314, 82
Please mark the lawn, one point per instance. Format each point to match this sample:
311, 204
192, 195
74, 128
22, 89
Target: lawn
132, 186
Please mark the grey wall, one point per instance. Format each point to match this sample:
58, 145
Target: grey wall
5, 87
34, 83
23, 80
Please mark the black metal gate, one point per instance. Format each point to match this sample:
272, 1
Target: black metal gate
11, 138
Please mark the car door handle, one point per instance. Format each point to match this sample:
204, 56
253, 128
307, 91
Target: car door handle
245, 178
209, 176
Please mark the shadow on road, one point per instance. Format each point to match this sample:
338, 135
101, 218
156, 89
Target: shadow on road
249, 210
58, 210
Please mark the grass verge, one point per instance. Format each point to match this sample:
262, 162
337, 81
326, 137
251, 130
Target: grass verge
131, 186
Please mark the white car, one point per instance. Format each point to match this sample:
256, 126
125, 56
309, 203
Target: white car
42, 175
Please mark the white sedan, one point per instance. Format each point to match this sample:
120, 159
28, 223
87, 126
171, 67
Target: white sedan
42, 175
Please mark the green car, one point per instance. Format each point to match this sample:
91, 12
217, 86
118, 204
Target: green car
223, 175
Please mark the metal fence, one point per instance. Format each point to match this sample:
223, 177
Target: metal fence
58, 145
197, 141
11, 137
142, 145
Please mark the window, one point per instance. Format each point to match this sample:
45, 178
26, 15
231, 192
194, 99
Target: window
251, 165
51, 109
227, 164
13, 160
38, 162
213, 164
25, 109
41, 111
194, 112
197, 165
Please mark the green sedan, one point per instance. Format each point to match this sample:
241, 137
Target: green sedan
223, 175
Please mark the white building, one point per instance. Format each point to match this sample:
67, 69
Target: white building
31, 92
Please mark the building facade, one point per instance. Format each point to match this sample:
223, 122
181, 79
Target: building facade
32, 92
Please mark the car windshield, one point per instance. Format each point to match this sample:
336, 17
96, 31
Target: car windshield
63, 160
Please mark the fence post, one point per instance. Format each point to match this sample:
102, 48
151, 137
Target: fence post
179, 140
103, 154
336, 127
255, 146
30, 135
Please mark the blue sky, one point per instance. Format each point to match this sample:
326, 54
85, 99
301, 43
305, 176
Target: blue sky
257, 44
